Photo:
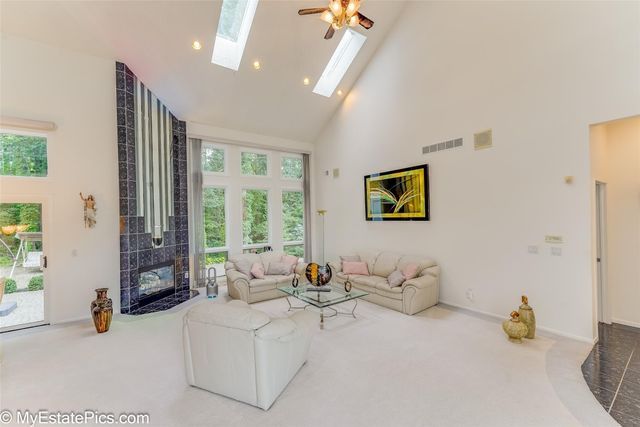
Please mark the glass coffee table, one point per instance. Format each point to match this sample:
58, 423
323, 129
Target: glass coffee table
323, 300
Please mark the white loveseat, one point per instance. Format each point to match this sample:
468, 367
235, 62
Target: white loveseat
250, 289
412, 297
236, 351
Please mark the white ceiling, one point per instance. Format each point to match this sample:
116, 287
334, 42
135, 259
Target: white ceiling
154, 38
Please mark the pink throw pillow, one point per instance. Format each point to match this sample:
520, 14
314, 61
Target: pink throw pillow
290, 260
355, 267
257, 269
410, 271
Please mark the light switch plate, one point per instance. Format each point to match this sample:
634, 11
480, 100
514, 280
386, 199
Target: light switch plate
553, 239
533, 249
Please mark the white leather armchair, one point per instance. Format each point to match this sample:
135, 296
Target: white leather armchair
236, 351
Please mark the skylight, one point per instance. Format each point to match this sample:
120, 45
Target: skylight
234, 26
339, 63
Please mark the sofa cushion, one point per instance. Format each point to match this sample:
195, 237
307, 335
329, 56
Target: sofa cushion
244, 267
269, 257
291, 261
259, 285
396, 279
278, 268
386, 264
370, 281
281, 279
369, 256
349, 258
383, 289
410, 271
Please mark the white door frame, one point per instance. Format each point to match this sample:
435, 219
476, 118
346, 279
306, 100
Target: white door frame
603, 312
44, 202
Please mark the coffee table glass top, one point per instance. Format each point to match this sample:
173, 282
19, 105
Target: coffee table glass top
322, 299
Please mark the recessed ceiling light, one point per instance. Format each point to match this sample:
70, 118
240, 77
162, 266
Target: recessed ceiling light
306, 81
256, 65
339, 92
196, 45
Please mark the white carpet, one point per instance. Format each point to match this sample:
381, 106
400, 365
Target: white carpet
442, 367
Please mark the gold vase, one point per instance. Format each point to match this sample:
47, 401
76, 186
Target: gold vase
528, 317
102, 310
514, 328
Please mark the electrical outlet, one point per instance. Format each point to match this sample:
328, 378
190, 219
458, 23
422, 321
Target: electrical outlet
470, 294
533, 249
556, 251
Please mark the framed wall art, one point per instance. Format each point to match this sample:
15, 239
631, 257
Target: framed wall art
398, 195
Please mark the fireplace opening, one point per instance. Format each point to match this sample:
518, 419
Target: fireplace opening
156, 282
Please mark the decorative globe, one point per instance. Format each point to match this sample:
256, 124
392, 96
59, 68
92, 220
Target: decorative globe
317, 275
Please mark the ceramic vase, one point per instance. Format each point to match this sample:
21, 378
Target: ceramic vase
528, 317
102, 310
514, 328
317, 275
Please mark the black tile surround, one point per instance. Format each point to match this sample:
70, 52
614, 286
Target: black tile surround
136, 249
612, 371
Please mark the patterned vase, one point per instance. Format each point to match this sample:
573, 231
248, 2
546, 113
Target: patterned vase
514, 328
528, 317
102, 310
317, 275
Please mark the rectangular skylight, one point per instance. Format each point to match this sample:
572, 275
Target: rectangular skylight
339, 63
234, 26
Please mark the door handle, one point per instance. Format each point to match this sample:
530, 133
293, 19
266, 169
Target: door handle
598, 259
44, 261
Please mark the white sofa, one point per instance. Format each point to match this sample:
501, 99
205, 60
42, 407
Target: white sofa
236, 351
252, 290
412, 297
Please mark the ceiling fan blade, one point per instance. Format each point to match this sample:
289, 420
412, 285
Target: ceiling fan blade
330, 32
364, 21
312, 10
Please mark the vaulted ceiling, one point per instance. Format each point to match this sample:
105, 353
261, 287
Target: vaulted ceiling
154, 38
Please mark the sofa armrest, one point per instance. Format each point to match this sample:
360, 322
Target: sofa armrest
300, 268
431, 271
235, 276
421, 282
277, 329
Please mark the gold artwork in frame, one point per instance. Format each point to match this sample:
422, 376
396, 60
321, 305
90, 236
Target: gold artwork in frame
398, 195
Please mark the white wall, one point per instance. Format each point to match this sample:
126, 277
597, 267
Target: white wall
617, 163
538, 74
77, 92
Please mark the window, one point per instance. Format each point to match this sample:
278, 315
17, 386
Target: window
255, 217
254, 163
291, 167
214, 206
340, 62
293, 222
23, 155
236, 17
213, 159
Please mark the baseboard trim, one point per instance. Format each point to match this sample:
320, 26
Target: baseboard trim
546, 330
625, 322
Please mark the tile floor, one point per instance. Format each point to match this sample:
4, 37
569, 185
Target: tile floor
612, 371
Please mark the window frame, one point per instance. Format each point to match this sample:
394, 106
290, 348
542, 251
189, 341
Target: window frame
48, 152
225, 171
293, 242
255, 151
291, 156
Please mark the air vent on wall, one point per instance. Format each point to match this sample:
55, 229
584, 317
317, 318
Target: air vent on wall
452, 143
483, 140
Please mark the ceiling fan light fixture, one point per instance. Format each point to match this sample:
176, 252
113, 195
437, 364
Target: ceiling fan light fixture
336, 25
327, 16
336, 7
354, 21
353, 7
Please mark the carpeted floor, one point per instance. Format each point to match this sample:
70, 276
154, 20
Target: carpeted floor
442, 367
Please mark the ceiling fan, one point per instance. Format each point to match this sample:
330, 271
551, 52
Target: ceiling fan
338, 14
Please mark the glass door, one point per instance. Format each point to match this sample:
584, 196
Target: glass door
22, 266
